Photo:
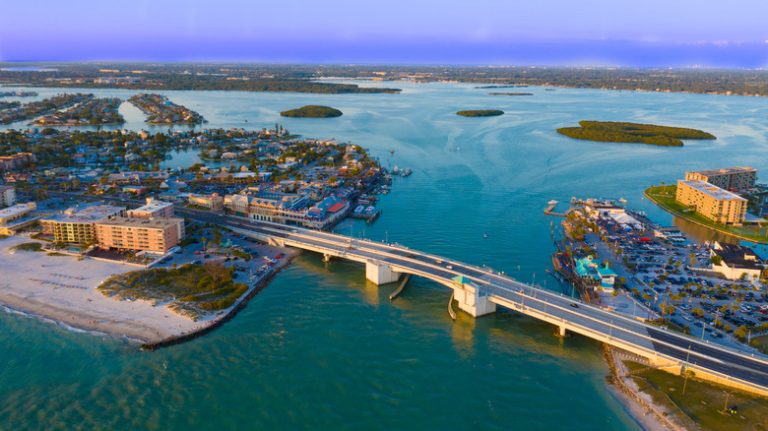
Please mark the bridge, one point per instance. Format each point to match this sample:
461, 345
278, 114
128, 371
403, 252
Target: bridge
479, 291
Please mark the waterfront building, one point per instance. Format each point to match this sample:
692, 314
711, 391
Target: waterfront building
16, 217
156, 235
735, 179
7, 196
595, 273
734, 261
16, 161
213, 201
712, 202
77, 226
152, 209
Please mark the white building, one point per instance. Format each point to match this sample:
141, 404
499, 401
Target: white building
7, 196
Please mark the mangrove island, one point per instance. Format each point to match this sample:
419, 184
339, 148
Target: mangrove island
480, 113
614, 131
312, 111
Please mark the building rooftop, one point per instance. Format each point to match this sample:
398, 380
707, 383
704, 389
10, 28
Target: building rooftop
87, 215
153, 205
713, 191
737, 256
158, 223
724, 171
15, 211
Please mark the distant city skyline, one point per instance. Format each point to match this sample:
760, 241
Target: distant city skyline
548, 32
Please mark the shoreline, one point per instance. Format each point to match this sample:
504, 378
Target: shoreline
52, 291
134, 332
228, 315
638, 404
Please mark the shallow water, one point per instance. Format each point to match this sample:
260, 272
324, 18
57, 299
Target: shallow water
320, 348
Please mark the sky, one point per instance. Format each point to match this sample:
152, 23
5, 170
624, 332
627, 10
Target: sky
710, 33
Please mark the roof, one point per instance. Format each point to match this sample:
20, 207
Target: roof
158, 223
336, 207
89, 214
712, 190
15, 211
153, 205
725, 171
737, 256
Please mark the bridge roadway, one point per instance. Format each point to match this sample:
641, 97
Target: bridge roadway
670, 351
673, 351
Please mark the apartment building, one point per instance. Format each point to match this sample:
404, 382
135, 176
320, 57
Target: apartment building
16, 217
7, 196
735, 179
712, 202
76, 226
156, 235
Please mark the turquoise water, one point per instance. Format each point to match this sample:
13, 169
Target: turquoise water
322, 349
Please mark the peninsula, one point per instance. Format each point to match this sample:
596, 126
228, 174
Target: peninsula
160, 110
480, 113
312, 111
625, 132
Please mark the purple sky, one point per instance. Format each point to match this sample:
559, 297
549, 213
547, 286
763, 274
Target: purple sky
565, 32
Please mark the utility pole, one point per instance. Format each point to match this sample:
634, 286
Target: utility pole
725, 406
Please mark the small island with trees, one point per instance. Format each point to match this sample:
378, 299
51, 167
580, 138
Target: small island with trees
312, 111
480, 113
614, 131
510, 93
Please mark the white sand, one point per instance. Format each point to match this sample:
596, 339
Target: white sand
63, 288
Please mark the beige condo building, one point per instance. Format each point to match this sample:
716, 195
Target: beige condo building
155, 235
712, 202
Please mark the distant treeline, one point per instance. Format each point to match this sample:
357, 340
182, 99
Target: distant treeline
611, 131
303, 78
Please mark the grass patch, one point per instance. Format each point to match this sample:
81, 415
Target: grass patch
760, 343
28, 246
702, 402
613, 131
191, 290
664, 196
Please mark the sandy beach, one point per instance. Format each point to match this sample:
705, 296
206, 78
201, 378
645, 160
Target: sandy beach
63, 288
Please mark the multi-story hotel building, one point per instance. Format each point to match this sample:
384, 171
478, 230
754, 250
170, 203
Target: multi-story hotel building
156, 235
16, 217
77, 226
712, 202
735, 179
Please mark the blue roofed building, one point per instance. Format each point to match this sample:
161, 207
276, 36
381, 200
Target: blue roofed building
602, 275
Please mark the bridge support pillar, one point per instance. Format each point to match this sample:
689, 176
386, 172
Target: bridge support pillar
561, 330
380, 273
327, 257
471, 301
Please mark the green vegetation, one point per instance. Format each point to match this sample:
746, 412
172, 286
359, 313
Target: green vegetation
664, 196
513, 93
480, 113
312, 111
28, 246
611, 131
760, 343
191, 290
701, 403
